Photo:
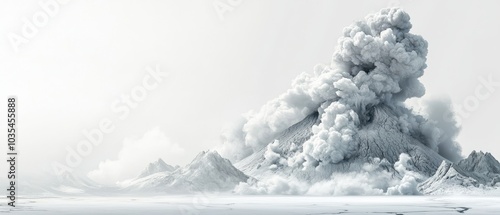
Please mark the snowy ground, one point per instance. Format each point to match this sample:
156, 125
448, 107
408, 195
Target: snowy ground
252, 205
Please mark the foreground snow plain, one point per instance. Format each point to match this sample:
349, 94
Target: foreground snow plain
251, 205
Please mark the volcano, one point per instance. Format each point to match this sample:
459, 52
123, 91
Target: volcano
348, 120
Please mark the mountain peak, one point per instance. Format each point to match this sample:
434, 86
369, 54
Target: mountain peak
480, 162
475, 153
478, 168
207, 172
155, 167
210, 155
209, 158
160, 161
448, 177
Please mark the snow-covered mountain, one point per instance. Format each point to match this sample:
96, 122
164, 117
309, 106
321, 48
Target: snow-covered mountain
478, 170
482, 166
207, 172
448, 178
156, 167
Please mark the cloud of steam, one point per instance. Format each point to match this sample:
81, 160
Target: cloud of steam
410, 180
377, 62
135, 155
438, 110
372, 179
273, 155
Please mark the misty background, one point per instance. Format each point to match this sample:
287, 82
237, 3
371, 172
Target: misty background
221, 65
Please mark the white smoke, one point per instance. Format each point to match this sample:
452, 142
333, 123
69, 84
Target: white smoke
273, 155
372, 179
377, 62
275, 185
438, 110
410, 180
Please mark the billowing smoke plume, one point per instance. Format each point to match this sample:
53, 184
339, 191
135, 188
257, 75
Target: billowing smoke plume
372, 179
377, 62
438, 111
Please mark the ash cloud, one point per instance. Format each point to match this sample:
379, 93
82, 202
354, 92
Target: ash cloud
438, 110
377, 62
372, 179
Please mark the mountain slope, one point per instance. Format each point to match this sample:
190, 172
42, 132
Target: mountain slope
381, 137
478, 170
290, 141
448, 178
207, 172
155, 167
349, 113
482, 166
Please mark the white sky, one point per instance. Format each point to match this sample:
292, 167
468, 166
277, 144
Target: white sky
91, 52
